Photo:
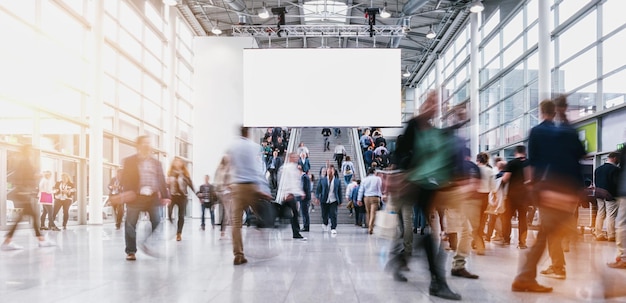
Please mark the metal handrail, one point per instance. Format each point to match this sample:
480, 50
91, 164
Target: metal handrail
294, 136
354, 135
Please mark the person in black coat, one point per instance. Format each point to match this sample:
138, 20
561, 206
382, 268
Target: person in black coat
606, 191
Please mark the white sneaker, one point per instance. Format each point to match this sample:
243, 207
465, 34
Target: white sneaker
10, 246
333, 232
325, 227
46, 243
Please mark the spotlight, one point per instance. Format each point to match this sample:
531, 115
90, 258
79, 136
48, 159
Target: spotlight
431, 33
170, 2
477, 6
406, 73
264, 13
216, 31
385, 13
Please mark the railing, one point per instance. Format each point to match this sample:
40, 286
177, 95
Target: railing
358, 154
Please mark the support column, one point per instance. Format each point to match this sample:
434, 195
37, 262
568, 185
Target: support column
474, 102
95, 122
544, 51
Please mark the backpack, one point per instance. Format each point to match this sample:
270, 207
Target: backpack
349, 169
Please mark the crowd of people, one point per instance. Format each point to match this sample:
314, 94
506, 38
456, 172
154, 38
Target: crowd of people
431, 180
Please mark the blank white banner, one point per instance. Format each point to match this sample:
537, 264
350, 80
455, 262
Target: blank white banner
321, 87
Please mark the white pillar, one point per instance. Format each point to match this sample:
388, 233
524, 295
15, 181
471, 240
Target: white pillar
544, 51
95, 121
474, 103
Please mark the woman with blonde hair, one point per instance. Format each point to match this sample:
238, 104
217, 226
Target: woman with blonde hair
64, 196
179, 180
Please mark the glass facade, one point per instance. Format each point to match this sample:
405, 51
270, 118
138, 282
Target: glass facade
586, 65
49, 72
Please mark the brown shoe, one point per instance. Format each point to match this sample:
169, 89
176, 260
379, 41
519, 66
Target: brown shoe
617, 264
240, 260
529, 287
178, 237
131, 257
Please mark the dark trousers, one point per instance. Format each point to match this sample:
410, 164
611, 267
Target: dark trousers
273, 178
339, 159
132, 216
181, 202
304, 209
48, 210
24, 202
520, 207
203, 207
434, 252
65, 204
484, 198
359, 215
329, 210
554, 225
295, 225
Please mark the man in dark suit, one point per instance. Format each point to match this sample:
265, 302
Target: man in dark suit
329, 193
273, 165
144, 176
306, 200
606, 177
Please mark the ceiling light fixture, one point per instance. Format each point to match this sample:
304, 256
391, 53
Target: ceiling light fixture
406, 73
170, 2
477, 6
264, 13
216, 30
385, 13
431, 33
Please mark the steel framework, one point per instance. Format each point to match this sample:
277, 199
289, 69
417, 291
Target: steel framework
318, 31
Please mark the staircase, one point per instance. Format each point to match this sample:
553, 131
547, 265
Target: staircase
314, 141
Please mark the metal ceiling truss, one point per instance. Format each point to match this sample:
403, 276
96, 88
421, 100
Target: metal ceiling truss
291, 31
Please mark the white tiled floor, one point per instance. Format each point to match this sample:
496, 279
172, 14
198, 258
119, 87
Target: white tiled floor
88, 265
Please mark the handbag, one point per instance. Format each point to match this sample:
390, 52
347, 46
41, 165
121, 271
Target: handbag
45, 198
123, 197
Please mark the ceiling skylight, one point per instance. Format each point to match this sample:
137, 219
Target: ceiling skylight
324, 12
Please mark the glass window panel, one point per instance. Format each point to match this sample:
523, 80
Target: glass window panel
513, 80
578, 36
154, 16
532, 36
155, 136
532, 11
59, 135
578, 71
613, 53
110, 27
108, 89
129, 100
183, 72
152, 89
462, 94
184, 130
491, 49
109, 59
108, 115
490, 96
152, 113
77, 5
493, 67
153, 65
493, 21
63, 28
16, 123
569, 7
512, 29
492, 117
513, 107
532, 91
513, 131
582, 102
490, 140
185, 111
129, 126
614, 89
111, 7
107, 149
153, 42
129, 73
24, 9
183, 90
184, 52
184, 32
533, 118
130, 20
448, 56
612, 15
70, 99
130, 45
513, 52
532, 67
